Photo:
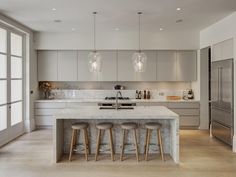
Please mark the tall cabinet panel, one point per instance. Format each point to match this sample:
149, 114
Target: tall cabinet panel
150, 72
47, 66
109, 66
83, 70
166, 66
125, 68
67, 66
186, 66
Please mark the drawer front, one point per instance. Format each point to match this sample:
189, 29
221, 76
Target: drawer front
46, 112
50, 105
44, 120
183, 105
187, 112
152, 104
193, 121
74, 105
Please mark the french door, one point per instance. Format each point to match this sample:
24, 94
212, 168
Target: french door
11, 84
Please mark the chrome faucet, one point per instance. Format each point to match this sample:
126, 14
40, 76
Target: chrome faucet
118, 93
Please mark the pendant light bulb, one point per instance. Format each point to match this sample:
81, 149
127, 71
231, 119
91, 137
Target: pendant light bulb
139, 59
94, 57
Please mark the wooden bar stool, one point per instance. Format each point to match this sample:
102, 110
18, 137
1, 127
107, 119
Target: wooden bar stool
153, 126
102, 127
75, 130
126, 127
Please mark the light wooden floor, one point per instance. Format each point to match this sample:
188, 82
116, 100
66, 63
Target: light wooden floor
30, 156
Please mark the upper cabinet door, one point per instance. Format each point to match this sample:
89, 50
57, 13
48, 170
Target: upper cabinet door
125, 68
216, 52
67, 66
186, 66
47, 66
150, 73
109, 66
227, 49
166, 66
83, 69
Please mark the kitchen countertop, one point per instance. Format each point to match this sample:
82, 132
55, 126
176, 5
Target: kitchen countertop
111, 101
139, 112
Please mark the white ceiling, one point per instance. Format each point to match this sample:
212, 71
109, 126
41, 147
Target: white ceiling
38, 14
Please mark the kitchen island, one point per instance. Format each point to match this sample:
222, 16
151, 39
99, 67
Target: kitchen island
93, 115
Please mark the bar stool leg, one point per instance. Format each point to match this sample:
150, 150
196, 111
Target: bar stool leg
72, 143
145, 146
148, 142
136, 145
98, 144
122, 146
85, 145
87, 142
111, 144
160, 144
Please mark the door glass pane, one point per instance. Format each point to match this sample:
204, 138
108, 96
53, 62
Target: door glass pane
3, 40
3, 92
3, 117
3, 66
16, 113
16, 67
16, 90
16, 44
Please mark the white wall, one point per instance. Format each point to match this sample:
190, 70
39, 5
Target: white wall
117, 40
218, 32
31, 68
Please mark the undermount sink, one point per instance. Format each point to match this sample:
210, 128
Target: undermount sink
110, 107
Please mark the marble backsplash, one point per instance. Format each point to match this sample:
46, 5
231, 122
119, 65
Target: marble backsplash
101, 94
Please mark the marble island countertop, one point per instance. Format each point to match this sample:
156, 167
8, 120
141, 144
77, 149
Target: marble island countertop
139, 112
112, 101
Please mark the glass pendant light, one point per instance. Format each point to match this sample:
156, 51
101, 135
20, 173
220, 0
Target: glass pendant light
139, 59
94, 57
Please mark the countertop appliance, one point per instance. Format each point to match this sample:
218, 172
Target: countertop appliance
222, 109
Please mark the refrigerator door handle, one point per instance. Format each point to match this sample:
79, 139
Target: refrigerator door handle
218, 84
221, 87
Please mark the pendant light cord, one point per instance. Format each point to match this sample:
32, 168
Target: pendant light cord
139, 31
94, 31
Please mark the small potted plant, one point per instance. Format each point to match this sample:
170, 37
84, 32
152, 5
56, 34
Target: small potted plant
45, 87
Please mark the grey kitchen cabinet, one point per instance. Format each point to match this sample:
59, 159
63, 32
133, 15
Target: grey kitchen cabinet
186, 66
222, 50
189, 112
150, 72
67, 66
109, 66
47, 66
83, 69
125, 68
166, 65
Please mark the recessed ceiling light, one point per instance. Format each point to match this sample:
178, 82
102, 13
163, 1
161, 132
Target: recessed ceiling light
178, 9
179, 21
117, 29
57, 21
161, 29
73, 29
54, 9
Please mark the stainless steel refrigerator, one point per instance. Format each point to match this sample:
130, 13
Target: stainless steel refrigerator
222, 109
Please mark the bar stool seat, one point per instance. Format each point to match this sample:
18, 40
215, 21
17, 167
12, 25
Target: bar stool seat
126, 127
103, 126
150, 126
78, 126
75, 129
129, 125
153, 125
